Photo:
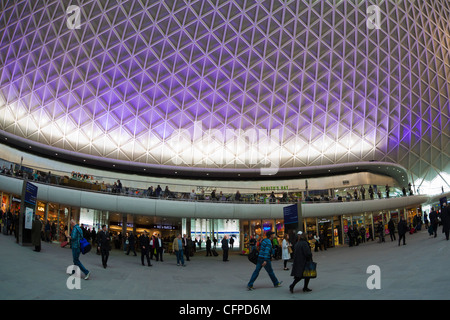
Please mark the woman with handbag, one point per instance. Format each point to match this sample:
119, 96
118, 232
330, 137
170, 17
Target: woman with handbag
286, 250
302, 255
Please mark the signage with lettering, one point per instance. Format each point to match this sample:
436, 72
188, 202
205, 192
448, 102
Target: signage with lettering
274, 188
31, 193
290, 214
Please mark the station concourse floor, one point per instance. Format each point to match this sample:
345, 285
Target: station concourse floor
418, 270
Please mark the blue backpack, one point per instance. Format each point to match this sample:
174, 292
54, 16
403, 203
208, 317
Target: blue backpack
85, 246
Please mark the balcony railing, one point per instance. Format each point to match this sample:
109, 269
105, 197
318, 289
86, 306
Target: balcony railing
86, 182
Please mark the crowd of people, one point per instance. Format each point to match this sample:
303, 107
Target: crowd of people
268, 247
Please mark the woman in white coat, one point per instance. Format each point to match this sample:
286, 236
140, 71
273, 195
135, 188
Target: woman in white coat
285, 254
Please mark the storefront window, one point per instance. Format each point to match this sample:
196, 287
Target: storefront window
5, 203
326, 231
40, 210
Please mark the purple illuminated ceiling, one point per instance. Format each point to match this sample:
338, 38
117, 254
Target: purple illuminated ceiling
281, 83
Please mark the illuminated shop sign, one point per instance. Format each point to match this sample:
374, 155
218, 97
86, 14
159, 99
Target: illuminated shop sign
164, 227
274, 188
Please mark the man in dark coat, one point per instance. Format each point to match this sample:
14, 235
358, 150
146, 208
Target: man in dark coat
391, 228
225, 248
131, 244
434, 221
36, 229
103, 240
445, 219
402, 229
208, 247
302, 254
144, 241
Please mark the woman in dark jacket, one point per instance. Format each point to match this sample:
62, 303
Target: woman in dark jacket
302, 254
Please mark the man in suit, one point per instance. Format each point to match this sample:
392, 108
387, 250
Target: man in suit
103, 240
144, 241
186, 247
131, 244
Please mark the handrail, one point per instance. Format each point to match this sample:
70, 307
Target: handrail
245, 200
77, 184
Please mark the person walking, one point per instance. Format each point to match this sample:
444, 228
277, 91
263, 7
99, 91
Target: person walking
36, 229
391, 228
285, 248
144, 242
159, 248
350, 235
131, 244
402, 229
208, 247
445, 219
380, 229
231, 242
302, 255
75, 237
225, 248
252, 243
186, 247
434, 222
425, 219
177, 246
152, 247
264, 260
104, 245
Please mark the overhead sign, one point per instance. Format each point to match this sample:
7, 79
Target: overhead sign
290, 214
31, 193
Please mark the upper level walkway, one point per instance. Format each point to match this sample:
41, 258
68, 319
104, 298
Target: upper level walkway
200, 209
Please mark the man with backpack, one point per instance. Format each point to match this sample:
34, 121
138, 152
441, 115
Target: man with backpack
264, 260
76, 236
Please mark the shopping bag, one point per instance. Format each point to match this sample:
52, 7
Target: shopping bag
253, 256
310, 270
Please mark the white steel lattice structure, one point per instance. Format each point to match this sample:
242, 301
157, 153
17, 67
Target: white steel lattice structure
232, 84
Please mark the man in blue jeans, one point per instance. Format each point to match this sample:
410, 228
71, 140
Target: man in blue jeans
264, 260
76, 236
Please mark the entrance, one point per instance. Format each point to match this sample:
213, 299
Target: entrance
326, 232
